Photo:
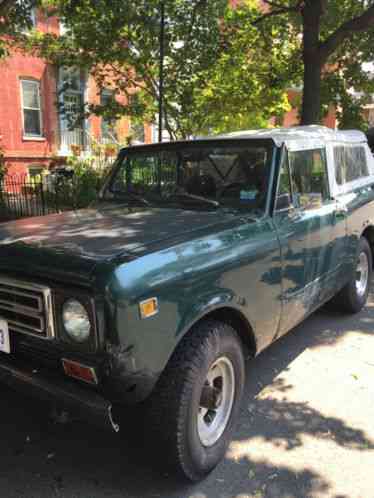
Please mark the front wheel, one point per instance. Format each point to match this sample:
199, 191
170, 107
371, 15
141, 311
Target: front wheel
352, 298
197, 399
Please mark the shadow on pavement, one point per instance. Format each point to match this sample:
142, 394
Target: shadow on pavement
39, 459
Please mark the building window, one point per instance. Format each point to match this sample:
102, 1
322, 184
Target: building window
72, 108
32, 115
108, 126
36, 173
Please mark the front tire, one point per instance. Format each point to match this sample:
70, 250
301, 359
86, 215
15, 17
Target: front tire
197, 399
353, 297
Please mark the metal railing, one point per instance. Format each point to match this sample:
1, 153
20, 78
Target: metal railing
21, 196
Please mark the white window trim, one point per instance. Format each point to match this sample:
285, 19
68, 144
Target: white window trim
29, 136
84, 92
111, 94
318, 146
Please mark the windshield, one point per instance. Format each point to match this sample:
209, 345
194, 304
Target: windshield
201, 176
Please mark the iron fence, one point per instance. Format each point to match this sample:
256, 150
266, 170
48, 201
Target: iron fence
23, 197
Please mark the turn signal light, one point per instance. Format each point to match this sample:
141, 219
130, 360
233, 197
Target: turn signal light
149, 307
79, 371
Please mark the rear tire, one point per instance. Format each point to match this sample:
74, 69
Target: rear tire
353, 297
197, 398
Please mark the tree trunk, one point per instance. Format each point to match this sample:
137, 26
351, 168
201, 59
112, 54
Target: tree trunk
312, 13
311, 110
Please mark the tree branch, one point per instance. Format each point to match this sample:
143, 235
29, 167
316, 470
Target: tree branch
345, 31
277, 10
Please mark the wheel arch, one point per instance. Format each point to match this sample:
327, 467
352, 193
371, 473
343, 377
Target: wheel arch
233, 317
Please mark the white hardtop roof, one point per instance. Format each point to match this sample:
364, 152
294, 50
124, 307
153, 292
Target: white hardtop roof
301, 135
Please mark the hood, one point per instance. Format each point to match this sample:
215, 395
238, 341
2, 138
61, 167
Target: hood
71, 244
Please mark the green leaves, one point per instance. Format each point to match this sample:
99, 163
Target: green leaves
224, 70
336, 33
15, 20
221, 73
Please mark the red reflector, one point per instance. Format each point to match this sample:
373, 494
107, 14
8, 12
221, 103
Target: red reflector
79, 371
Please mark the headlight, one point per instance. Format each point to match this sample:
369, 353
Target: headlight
76, 320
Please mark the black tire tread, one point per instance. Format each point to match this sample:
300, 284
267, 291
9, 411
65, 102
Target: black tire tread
169, 401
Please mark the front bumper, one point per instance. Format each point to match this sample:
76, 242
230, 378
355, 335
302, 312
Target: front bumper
80, 402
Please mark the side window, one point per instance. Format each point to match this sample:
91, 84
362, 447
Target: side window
31, 108
284, 194
339, 161
350, 163
309, 177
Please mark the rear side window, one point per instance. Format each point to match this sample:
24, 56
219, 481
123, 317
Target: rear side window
309, 177
350, 163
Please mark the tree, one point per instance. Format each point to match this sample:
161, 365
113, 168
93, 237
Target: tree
336, 40
117, 41
15, 17
218, 75
247, 85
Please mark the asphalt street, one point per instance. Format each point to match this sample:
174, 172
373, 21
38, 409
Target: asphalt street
305, 431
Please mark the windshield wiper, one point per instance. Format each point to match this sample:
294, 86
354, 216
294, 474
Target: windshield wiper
194, 198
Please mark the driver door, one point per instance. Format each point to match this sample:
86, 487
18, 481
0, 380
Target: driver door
305, 231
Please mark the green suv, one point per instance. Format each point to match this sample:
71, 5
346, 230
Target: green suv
197, 255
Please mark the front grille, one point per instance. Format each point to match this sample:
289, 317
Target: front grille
27, 307
35, 353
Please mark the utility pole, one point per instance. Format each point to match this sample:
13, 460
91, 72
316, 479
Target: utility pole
161, 71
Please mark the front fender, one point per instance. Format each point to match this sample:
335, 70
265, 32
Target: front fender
203, 306
136, 368
238, 268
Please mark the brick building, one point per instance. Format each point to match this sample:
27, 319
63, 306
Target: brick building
33, 134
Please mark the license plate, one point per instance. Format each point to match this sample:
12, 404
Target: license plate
4, 337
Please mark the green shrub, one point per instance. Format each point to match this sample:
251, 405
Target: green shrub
80, 190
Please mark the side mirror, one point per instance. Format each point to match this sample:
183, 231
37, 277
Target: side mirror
283, 202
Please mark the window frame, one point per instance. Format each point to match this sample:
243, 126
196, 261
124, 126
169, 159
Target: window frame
31, 136
284, 159
77, 135
346, 188
106, 191
294, 191
109, 138
345, 147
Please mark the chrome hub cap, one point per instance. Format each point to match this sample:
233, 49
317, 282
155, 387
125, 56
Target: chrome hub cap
362, 274
217, 398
